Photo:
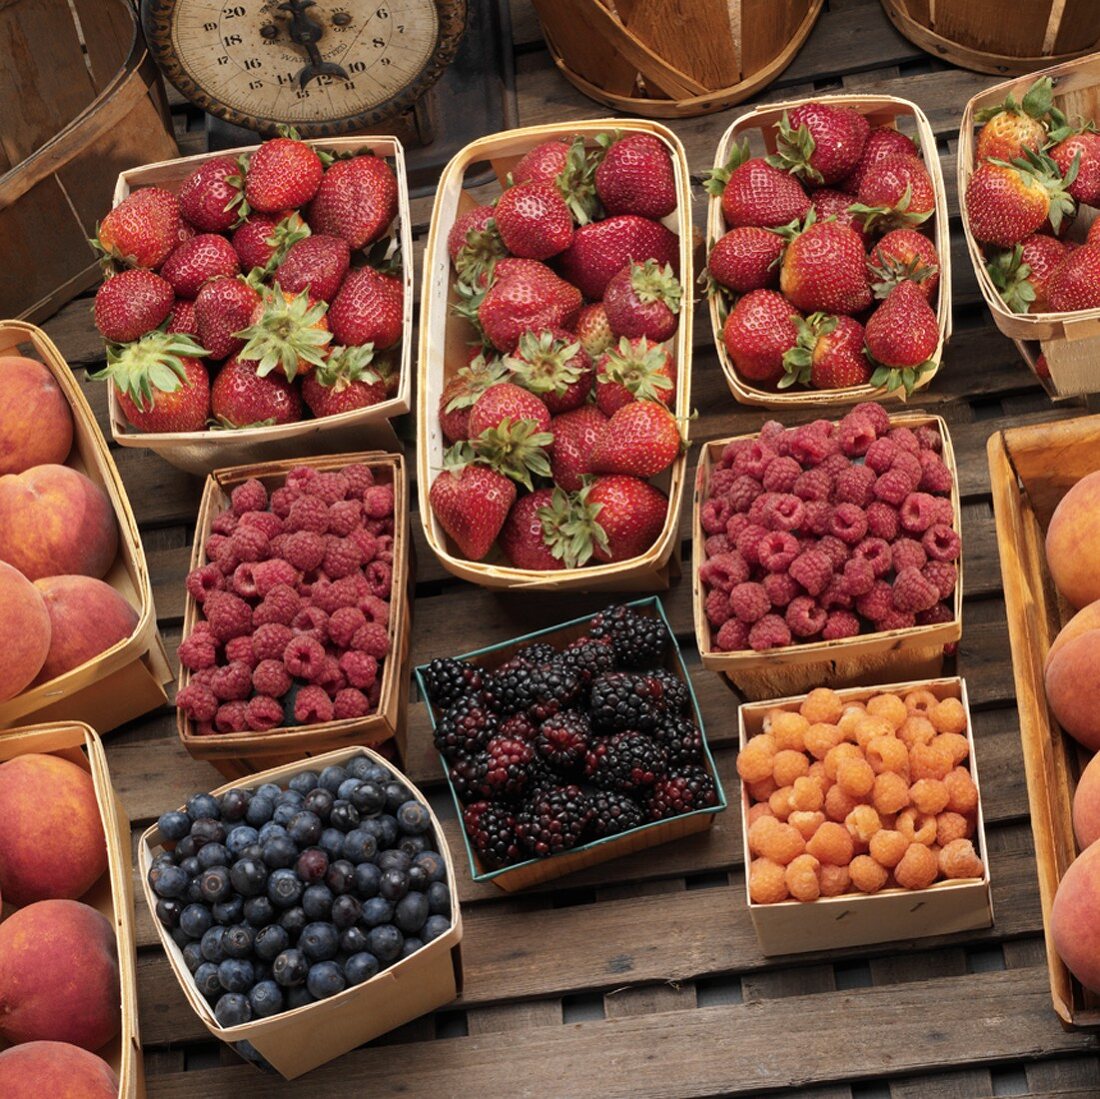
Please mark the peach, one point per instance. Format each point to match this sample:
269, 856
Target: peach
56, 1069
51, 833
1086, 804
24, 631
36, 425
55, 522
1073, 925
1087, 618
87, 617
1073, 534
1072, 685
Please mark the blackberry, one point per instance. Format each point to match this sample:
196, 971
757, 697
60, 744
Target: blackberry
625, 700
556, 688
625, 761
508, 759
677, 695
688, 789
562, 741
468, 778
554, 820
511, 689
615, 813
538, 652
589, 657
519, 727
638, 639
540, 776
448, 679
492, 831
465, 729
681, 738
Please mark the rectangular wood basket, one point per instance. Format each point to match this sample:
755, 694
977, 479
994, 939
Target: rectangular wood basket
444, 343
202, 451
128, 679
907, 654
1031, 469
759, 126
854, 919
294, 1042
524, 875
113, 894
239, 754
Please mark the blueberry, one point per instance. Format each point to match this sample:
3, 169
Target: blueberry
259, 811
395, 884
434, 927
252, 851
347, 786
262, 970
270, 831
312, 865
340, 876
192, 955
283, 888
413, 818
248, 877
299, 997
234, 803
211, 944
318, 801
228, 911
268, 790
418, 878
303, 782
179, 937
319, 941
393, 860
284, 814
266, 999
232, 1009
239, 838
386, 942
207, 830
358, 766
174, 825
325, 979
369, 798
439, 899
213, 854
413, 845
376, 911
331, 777
259, 911
290, 968
238, 940
191, 867
203, 805
194, 891
378, 774
168, 912
270, 942
432, 861
353, 940
367, 880
410, 913
289, 797
373, 826
317, 901
344, 816
168, 881
206, 978
187, 848
304, 828
293, 920
361, 967
411, 946
164, 858
215, 884
359, 846
196, 920
397, 793
236, 975
279, 853
390, 830
345, 911
332, 842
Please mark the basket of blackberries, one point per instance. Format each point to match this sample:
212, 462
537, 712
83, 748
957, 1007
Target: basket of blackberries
572, 746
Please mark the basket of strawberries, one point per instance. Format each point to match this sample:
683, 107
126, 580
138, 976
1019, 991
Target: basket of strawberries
555, 359
257, 303
828, 266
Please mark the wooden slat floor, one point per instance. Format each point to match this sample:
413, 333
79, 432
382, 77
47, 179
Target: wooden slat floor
643, 977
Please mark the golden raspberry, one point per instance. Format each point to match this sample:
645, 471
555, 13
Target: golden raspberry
929, 795
916, 730
855, 777
806, 823
916, 827
787, 729
921, 701
754, 761
887, 753
891, 793
838, 804
948, 716
962, 794
834, 880
761, 809
933, 760
767, 882
951, 826
862, 823
782, 843
820, 738
806, 795
831, 843
780, 802
822, 704
890, 707
854, 713
818, 773
959, 745
801, 878
918, 868
887, 847
759, 829
838, 755
870, 728
958, 859
761, 791
789, 765
867, 875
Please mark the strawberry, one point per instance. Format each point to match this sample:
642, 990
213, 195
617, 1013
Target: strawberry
824, 268
575, 435
223, 307
896, 191
552, 364
882, 141
1005, 202
514, 447
239, 397
474, 244
507, 402
263, 239
820, 142
317, 263
643, 299
1009, 129
904, 255
601, 250
837, 205
755, 193
346, 380
593, 330
210, 195
828, 355
288, 334
132, 303
617, 518
902, 336
1085, 148
205, 256
471, 503
635, 370
566, 165
1022, 273
182, 320
534, 528
1075, 283
356, 200
369, 308
543, 163
283, 174
533, 221
746, 258
522, 295
142, 230
461, 391
1042, 367
636, 175
759, 331
1093, 234
641, 439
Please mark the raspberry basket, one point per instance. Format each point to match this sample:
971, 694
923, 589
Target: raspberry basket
904, 654
444, 340
536, 871
296, 1041
239, 754
853, 919
758, 125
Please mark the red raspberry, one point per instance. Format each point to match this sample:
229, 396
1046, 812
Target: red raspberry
331, 676
812, 569
754, 458
213, 544
249, 544
342, 625
378, 502
836, 464
360, 669
905, 439
330, 486
305, 550
249, 496
203, 580
840, 624
279, 606
770, 632
197, 701
204, 676
848, 523
269, 574
908, 553
748, 542
943, 511
878, 415
239, 650
877, 603
912, 592
855, 486
893, 486
909, 464
883, 521
269, 641
755, 514
859, 576
263, 713
804, 617
743, 492
814, 484
716, 545
721, 481
312, 622
783, 511
812, 443
935, 476
359, 479
229, 615
724, 571
198, 652
834, 549
223, 555
733, 636
897, 620
717, 608
372, 639
312, 706
781, 474
878, 553
270, 677
777, 550
202, 628
341, 557
232, 682
941, 612
780, 588
301, 478
749, 602
380, 578
344, 592
771, 432
881, 454
224, 523
916, 513
929, 438
941, 543
730, 452
278, 545
243, 582
267, 521
304, 657
714, 515
942, 575
856, 434
345, 516
836, 595
282, 498
232, 717
308, 513
817, 514
373, 546
736, 524
350, 703
376, 610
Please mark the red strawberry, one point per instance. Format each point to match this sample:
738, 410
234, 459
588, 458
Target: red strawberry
132, 303
759, 331
1004, 204
1085, 147
356, 200
182, 319
1009, 129
837, 205
575, 435
895, 191
142, 229
755, 193
533, 221
471, 504
1075, 283
634, 370
239, 397
601, 250
641, 439
317, 264
542, 164
821, 142
593, 330
523, 295
264, 238
569, 167
1022, 274
288, 334
904, 255
369, 308
902, 336
746, 258
203, 257
461, 391
829, 354
474, 244
623, 516
824, 268
643, 299
506, 402
283, 174
552, 364
882, 141
533, 529
636, 176
210, 196
222, 308
346, 380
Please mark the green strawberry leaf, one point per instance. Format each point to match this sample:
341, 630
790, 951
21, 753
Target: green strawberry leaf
715, 180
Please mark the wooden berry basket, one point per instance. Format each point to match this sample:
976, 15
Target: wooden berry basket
759, 126
906, 654
239, 754
857, 919
524, 875
296, 1041
1070, 341
202, 451
113, 894
1031, 469
444, 340
128, 679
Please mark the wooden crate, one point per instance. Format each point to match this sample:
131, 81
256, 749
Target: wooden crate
1031, 469
293, 1042
128, 679
239, 754
759, 126
444, 340
361, 428
674, 60
902, 655
113, 894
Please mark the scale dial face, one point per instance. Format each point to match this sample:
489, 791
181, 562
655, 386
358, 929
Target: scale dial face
322, 66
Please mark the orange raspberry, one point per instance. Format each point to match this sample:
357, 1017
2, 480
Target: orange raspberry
806, 823
887, 847
834, 880
761, 791
890, 707
862, 822
921, 701
782, 843
951, 826
959, 745
838, 804
801, 878
958, 859
962, 794
916, 730
831, 843
838, 755
916, 827
763, 809
918, 868
854, 713
867, 875
787, 729
819, 738
929, 795
871, 727
806, 795
758, 829
789, 765
948, 716
767, 882
855, 777
891, 793
818, 773
780, 802
887, 753
822, 704
933, 760
754, 761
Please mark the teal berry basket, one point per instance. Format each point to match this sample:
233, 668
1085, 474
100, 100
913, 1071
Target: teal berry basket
534, 871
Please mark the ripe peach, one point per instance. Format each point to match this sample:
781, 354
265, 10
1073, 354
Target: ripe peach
24, 631
55, 522
1087, 618
1073, 917
87, 617
51, 833
59, 975
57, 1069
1086, 804
1074, 530
36, 425
1072, 685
